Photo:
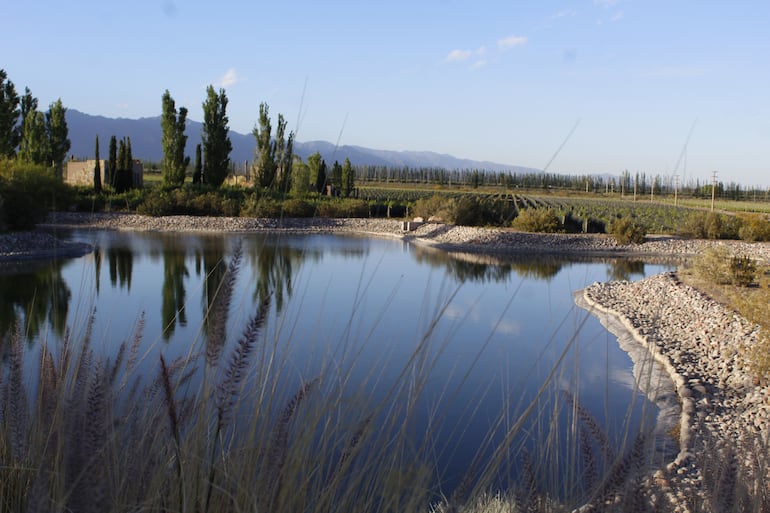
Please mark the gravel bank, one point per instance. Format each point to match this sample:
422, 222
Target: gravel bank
15, 247
702, 346
448, 237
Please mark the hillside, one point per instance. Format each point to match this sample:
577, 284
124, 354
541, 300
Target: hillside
145, 137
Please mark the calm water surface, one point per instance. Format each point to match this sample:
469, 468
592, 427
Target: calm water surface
354, 306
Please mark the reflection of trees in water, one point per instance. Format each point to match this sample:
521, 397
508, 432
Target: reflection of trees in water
275, 266
542, 267
467, 267
485, 268
173, 293
121, 261
218, 285
33, 298
623, 269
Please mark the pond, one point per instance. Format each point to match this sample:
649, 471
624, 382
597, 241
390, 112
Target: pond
464, 343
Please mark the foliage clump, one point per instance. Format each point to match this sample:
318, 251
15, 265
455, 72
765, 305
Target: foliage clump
539, 220
627, 230
27, 193
755, 228
436, 206
718, 265
710, 225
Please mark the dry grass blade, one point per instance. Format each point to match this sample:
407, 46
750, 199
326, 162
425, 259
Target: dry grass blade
173, 418
234, 373
14, 403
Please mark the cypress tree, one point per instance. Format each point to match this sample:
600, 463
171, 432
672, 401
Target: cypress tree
197, 176
336, 178
112, 163
348, 178
97, 169
129, 165
120, 169
320, 181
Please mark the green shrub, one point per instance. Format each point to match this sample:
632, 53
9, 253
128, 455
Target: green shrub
438, 205
156, 203
713, 265
541, 220
338, 208
710, 225
627, 231
298, 208
754, 228
260, 206
28, 193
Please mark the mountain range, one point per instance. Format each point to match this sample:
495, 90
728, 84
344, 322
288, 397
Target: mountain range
145, 134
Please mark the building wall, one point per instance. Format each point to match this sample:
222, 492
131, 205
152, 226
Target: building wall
81, 172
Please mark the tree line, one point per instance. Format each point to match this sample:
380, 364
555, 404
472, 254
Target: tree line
275, 166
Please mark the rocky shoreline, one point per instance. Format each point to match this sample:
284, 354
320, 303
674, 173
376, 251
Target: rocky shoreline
700, 345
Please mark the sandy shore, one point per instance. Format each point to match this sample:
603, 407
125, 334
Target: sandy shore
698, 346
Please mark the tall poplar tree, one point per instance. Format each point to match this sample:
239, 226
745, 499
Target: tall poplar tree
274, 156
300, 179
173, 140
34, 141
9, 116
28, 109
216, 143
97, 169
197, 177
58, 140
263, 169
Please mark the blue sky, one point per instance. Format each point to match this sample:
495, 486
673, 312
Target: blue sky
486, 80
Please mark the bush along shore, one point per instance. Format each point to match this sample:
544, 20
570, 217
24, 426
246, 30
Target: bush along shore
723, 411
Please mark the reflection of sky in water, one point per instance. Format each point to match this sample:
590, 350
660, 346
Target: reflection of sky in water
361, 306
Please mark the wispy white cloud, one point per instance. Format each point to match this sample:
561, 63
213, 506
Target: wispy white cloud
618, 16
511, 41
458, 56
229, 78
565, 13
605, 3
477, 56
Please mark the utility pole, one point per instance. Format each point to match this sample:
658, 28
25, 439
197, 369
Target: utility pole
713, 188
652, 190
676, 188
636, 179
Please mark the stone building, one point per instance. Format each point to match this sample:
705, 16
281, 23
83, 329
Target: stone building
81, 172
